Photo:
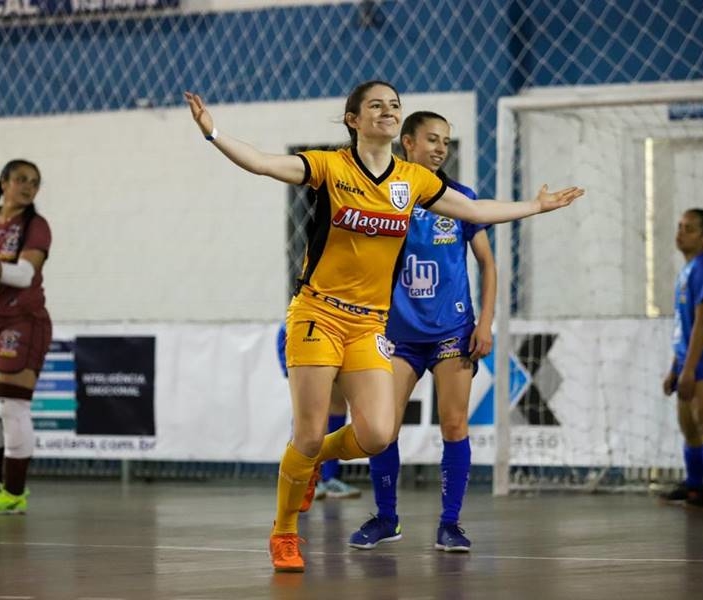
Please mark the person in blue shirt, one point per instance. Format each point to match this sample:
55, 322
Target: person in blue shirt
432, 326
686, 374
330, 484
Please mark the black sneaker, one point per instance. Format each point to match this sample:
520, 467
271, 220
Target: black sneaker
678, 494
451, 538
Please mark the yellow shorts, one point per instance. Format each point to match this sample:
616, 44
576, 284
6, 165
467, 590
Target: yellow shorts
323, 331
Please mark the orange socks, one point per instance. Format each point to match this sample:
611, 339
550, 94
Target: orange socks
293, 476
341, 444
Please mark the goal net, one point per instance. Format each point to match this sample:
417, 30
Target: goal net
586, 294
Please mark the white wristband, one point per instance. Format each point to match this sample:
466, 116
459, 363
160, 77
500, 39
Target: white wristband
18, 275
213, 135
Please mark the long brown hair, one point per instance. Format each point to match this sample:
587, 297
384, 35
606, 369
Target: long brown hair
30, 211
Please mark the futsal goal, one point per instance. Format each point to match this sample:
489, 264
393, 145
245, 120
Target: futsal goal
586, 294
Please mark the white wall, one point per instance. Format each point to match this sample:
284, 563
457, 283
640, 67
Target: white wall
151, 223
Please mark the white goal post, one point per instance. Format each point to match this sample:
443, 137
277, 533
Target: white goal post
616, 110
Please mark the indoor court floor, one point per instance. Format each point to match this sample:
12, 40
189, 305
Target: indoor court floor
186, 541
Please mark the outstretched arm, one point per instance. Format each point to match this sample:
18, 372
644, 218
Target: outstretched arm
455, 205
284, 167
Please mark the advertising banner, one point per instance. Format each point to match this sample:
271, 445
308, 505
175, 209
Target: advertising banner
582, 393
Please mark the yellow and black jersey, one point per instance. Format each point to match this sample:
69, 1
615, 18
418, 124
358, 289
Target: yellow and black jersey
360, 223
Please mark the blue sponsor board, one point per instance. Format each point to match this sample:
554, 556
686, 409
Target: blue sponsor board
55, 385
685, 111
520, 380
54, 400
54, 405
54, 8
63, 365
54, 423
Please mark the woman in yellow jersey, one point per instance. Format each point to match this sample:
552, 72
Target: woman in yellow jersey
337, 319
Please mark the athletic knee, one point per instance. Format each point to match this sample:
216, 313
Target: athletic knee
374, 441
691, 431
308, 445
18, 431
454, 430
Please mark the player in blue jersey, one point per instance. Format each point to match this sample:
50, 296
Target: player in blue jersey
432, 326
686, 374
329, 485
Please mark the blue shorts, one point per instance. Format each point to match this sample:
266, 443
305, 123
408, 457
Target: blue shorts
281, 349
699, 370
423, 356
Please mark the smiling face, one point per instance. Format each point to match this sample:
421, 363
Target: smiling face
376, 116
428, 144
20, 185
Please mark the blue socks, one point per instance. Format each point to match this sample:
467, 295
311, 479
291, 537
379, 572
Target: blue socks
693, 457
456, 462
384, 470
330, 468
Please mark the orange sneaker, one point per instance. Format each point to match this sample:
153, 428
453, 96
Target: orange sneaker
310, 491
285, 553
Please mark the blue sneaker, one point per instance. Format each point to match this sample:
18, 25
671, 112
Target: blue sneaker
451, 538
375, 531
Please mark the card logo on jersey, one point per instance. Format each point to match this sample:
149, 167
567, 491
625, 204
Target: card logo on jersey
420, 277
371, 223
400, 194
382, 345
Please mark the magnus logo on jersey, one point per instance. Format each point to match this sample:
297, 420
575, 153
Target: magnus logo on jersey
421, 277
371, 223
400, 194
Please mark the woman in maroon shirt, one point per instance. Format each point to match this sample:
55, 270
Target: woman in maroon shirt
25, 325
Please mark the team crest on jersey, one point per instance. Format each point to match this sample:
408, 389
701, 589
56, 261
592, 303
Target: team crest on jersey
400, 194
9, 341
9, 243
445, 224
383, 346
445, 231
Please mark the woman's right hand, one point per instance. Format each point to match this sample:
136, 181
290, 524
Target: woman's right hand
200, 114
669, 385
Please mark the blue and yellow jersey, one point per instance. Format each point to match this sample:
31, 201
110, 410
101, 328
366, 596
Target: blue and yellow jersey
360, 224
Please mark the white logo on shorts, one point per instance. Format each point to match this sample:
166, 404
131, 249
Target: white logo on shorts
400, 194
382, 346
